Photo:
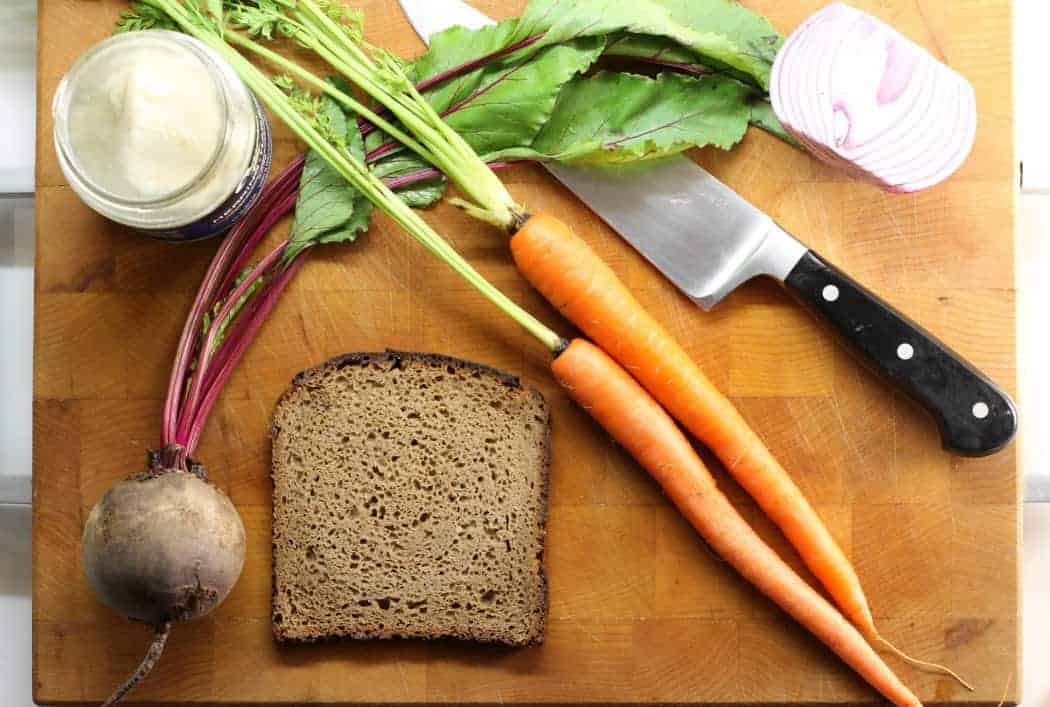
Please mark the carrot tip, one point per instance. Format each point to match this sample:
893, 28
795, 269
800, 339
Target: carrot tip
922, 664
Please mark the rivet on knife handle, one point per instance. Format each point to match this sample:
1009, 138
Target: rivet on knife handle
974, 415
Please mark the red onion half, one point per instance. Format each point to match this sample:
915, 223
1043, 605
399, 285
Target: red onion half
866, 99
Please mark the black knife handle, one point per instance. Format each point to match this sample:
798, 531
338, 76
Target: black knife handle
974, 415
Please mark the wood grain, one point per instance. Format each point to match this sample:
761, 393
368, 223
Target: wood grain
640, 609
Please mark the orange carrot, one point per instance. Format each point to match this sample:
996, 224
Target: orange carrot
586, 291
628, 413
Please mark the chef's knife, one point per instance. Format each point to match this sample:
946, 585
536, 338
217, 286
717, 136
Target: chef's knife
708, 240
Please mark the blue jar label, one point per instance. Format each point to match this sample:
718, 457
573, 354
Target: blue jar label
239, 202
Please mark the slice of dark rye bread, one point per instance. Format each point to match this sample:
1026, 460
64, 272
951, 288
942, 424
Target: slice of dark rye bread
410, 500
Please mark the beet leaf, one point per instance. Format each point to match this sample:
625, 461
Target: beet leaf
613, 118
507, 101
418, 194
720, 32
327, 210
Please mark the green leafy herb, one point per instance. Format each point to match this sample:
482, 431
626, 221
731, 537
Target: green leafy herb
141, 16
750, 33
261, 19
530, 98
611, 117
503, 103
284, 82
329, 210
316, 129
496, 105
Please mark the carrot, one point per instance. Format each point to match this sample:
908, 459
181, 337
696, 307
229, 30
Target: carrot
571, 276
587, 292
628, 413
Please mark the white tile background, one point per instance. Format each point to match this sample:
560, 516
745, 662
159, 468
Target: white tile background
17, 56
17, 59
1032, 62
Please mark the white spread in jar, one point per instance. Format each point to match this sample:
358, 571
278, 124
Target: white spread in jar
154, 130
146, 122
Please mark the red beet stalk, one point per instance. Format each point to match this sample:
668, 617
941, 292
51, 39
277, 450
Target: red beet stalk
217, 292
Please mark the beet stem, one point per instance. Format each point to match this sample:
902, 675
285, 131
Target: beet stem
172, 456
244, 338
236, 331
156, 648
217, 280
469, 66
193, 393
404, 180
384, 149
184, 353
422, 175
367, 127
285, 184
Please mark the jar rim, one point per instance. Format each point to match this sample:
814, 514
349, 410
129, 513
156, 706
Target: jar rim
67, 90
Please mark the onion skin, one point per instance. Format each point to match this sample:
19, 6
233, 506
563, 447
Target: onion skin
867, 100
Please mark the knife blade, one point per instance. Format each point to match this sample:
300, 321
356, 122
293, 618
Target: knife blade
708, 240
429, 18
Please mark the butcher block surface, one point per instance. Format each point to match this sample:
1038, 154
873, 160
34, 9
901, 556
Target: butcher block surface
640, 610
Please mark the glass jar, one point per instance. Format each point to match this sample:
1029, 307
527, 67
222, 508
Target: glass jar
156, 131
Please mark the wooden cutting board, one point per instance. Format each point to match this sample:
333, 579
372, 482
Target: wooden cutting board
640, 610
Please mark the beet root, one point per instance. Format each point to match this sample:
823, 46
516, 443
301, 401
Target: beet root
161, 547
